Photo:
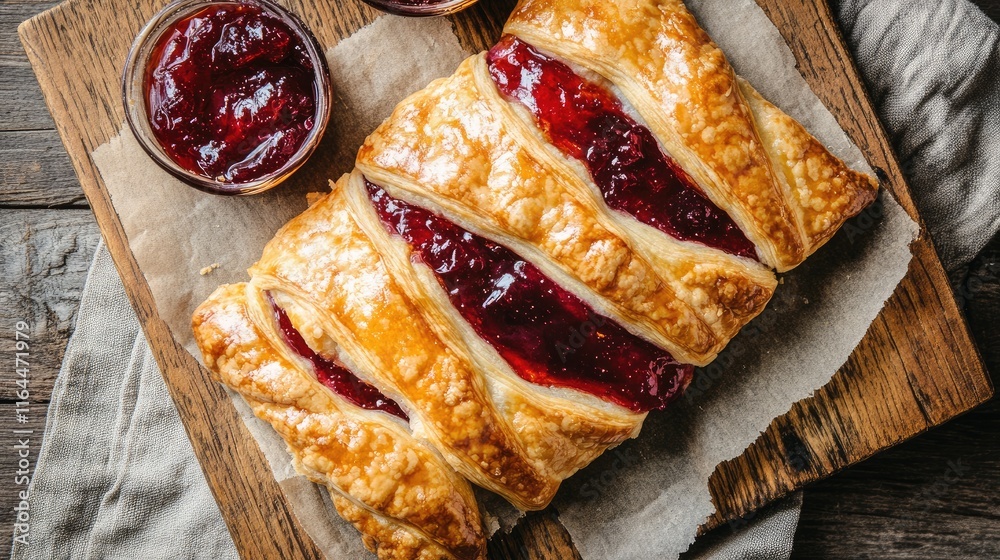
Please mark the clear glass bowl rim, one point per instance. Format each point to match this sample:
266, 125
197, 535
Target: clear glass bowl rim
439, 9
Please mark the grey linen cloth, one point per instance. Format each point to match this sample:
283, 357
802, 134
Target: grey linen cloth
933, 71
116, 476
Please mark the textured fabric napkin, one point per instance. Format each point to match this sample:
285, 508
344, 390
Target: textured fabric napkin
933, 72
116, 476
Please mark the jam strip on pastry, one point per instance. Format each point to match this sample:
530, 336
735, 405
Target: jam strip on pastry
399, 492
334, 376
682, 86
586, 122
560, 429
460, 150
547, 335
345, 293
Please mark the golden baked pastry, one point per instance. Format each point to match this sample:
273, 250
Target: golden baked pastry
530, 256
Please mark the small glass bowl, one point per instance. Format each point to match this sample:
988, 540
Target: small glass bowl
137, 108
421, 8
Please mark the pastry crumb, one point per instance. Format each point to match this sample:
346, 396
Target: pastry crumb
208, 269
313, 197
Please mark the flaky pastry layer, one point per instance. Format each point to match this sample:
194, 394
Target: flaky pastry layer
459, 148
375, 469
681, 84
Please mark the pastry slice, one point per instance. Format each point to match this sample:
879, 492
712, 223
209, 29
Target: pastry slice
459, 148
341, 432
781, 187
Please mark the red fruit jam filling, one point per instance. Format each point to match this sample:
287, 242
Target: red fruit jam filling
546, 334
230, 92
588, 123
337, 378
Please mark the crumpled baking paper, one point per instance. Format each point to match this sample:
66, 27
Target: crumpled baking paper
646, 498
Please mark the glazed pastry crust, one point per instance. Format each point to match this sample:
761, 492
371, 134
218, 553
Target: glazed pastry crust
824, 191
350, 291
458, 148
561, 430
685, 90
324, 262
368, 460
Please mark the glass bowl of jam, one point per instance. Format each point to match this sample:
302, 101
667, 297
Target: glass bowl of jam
421, 7
228, 96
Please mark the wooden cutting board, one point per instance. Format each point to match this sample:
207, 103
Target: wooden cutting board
916, 368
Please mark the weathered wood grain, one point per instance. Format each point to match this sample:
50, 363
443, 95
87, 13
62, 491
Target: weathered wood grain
20, 108
46, 255
35, 171
934, 497
12, 13
539, 536
21, 103
979, 292
815, 444
937, 496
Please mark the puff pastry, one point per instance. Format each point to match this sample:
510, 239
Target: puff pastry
530, 255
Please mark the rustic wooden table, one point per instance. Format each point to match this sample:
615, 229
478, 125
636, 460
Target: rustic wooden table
936, 496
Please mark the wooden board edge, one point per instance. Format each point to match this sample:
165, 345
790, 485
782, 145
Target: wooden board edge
797, 469
739, 518
923, 249
924, 255
227, 447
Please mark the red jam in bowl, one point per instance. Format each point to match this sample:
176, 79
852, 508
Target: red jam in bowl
547, 335
231, 92
586, 122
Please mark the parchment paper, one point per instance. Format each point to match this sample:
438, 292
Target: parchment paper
646, 498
